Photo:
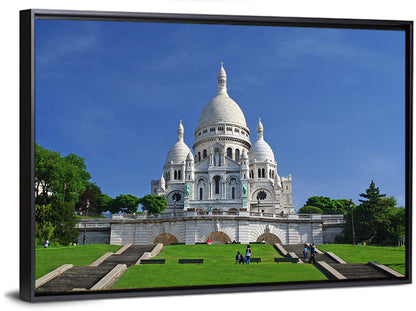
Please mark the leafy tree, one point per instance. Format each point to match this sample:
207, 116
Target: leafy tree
375, 218
44, 227
154, 203
329, 206
64, 220
310, 210
62, 177
124, 203
103, 203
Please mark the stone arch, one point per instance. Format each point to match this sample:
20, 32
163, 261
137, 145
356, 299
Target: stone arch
165, 239
268, 238
218, 237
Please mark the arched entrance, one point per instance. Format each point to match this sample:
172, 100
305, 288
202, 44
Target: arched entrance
268, 238
218, 237
165, 239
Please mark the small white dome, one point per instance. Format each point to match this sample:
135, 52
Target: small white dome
260, 151
179, 151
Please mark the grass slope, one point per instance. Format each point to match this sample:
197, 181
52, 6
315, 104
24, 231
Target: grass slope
218, 268
392, 257
48, 259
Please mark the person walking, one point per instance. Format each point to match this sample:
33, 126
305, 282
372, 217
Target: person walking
313, 251
305, 252
249, 253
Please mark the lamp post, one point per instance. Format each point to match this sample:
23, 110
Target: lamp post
352, 222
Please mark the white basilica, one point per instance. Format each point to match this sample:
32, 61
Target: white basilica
225, 172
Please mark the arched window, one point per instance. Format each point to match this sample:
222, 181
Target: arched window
201, 192
199, 156
179, 174
259, 173
205, 153
237, 155
262, 172
175, 175
217, 184
233, 193
229, 152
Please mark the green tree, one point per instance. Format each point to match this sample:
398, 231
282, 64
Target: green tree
62, 177
310, 210
103, 203
153, 203
44, 228
124, 203
329, 206
374, 218
64, 220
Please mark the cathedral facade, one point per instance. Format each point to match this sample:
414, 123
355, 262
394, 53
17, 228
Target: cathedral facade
225, 172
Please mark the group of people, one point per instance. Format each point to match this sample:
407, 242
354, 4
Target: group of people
311, 249
239, 258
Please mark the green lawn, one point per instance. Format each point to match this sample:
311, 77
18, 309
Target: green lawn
392, 257
218, 268
48, 259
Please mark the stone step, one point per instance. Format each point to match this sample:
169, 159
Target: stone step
87, 277
76, 277
359, 271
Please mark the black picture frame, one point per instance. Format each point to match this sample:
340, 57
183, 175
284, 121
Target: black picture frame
27, 141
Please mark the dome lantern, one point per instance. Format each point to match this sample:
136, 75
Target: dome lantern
222, 81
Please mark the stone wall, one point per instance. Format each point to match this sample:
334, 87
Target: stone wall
191, 228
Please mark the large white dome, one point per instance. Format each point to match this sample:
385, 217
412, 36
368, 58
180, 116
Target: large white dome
222, 108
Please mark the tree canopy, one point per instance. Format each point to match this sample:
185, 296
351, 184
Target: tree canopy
377, 219
329, 206
62, 177
153, 203
307, 209
124, 203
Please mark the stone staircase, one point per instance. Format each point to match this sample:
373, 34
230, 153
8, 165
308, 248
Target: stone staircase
82, 278
354, 271
349, 271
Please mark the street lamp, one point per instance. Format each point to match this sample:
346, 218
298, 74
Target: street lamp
352, 222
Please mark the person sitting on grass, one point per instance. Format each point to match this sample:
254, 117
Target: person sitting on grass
249, 253
239, 258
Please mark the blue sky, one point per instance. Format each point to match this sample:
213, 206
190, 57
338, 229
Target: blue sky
331, 100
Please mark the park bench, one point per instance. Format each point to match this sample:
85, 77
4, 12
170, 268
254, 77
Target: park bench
286, 259
152, 261
198, 261
177, 243
201, 243
256, 260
